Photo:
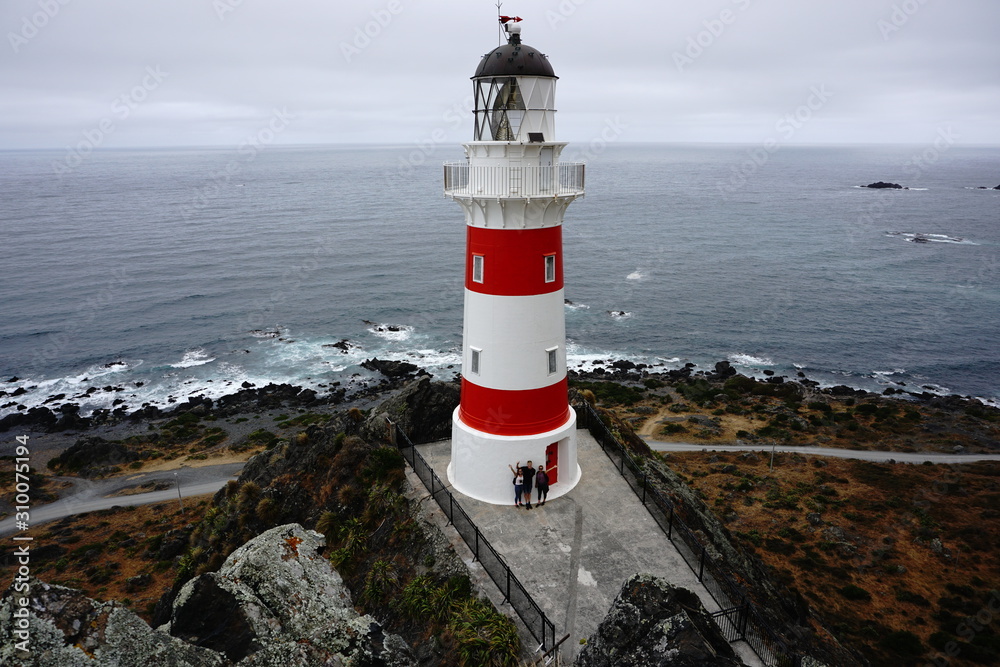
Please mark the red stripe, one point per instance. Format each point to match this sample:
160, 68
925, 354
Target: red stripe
514, 260
522, 412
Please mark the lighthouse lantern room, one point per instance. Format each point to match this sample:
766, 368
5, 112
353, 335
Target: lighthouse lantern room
514, 191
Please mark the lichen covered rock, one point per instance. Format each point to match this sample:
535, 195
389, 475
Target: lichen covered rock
68, 629
654, 624
277, 596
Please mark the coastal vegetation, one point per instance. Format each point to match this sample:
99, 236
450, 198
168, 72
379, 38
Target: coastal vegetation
895, 559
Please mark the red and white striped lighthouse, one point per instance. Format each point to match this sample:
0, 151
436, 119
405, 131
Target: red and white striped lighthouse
514, 192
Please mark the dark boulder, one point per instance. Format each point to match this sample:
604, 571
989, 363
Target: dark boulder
392, 369
654, 623
210, 616
883, 185
91, 455
724, 369
422, 409
623, 365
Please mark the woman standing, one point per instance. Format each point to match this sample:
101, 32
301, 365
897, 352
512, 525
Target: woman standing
518, 483
542, 484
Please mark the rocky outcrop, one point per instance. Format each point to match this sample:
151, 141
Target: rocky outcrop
68, 628
93, 456
883, 185
391, 369
275, 601
422, 409
276, 597
654, 623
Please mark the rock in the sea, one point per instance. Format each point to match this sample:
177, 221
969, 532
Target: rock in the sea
277, 601
654, 623
68, 628
390, 369
883, 184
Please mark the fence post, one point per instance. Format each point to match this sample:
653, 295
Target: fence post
476, 554
451, 509
670, 525
701, 565
644, 490
507, 592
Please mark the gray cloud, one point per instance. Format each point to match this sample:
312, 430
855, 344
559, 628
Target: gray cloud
395, 71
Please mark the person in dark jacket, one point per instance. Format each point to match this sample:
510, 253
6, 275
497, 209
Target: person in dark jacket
528, 472
542, 483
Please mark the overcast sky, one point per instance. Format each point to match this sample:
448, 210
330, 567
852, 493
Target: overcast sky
128, 73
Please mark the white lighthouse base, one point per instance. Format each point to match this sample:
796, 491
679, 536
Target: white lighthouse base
479, 460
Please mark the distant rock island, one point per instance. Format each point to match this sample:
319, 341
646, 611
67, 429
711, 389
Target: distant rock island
883, 184
983, 187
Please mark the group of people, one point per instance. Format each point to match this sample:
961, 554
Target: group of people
525, 479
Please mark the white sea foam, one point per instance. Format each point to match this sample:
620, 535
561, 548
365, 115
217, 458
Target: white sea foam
635, 275
741, 359
576, 306
921, 237
393, 332
619, 314
198, 357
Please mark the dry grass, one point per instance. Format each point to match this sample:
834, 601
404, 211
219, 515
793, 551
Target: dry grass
98, 552
917, 542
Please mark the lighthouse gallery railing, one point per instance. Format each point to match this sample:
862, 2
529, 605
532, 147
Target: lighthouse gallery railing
537, 622
561, 180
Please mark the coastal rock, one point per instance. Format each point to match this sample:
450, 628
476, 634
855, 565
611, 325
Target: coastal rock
654, 623
422, 409
68, 628
883, 185
392, 369
276, 597
724, 369
91, 456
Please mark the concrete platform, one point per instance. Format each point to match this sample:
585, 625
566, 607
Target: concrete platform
574, 553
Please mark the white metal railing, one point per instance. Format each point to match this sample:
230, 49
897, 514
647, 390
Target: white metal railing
462, 180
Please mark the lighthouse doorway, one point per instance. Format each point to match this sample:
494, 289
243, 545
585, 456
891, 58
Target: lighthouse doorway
552, 462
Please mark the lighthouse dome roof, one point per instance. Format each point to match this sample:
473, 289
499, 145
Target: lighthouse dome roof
515, 60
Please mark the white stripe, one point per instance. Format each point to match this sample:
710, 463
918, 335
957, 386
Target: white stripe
514, 333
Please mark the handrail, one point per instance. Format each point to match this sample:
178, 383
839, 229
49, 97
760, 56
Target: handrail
562, 180
749, 624
514, 592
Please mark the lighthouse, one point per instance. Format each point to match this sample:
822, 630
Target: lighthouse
514, 191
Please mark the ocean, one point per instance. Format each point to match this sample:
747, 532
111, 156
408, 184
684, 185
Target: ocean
147, 276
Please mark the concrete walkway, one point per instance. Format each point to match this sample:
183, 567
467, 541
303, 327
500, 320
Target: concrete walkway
574, 553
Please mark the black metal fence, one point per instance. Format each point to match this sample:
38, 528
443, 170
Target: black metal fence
739, 618
541, 628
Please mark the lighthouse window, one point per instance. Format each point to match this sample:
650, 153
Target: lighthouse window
474, 360
551, 357
477, 268
550, 268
